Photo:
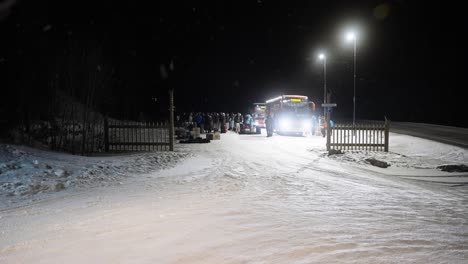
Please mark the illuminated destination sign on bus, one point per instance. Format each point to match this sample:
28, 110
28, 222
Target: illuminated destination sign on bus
260, 106
294, 100
288, 99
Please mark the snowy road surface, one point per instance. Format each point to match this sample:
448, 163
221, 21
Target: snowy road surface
251, 199
445, 134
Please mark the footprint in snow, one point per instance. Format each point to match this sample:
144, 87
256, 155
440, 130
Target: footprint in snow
239, 170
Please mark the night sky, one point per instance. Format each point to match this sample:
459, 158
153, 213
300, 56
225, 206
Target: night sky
226, 55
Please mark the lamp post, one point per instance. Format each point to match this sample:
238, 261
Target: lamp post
324, 59
351, 36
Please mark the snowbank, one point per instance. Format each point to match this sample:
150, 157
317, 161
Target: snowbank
26, 171
414, 158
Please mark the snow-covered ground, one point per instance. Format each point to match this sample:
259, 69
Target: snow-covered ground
28, 174
413, 158
242, 199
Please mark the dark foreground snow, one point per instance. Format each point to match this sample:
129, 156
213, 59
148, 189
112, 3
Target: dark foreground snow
28, 174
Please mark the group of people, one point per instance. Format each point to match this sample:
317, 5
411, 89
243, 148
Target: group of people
222, 122
213, 121
324, 124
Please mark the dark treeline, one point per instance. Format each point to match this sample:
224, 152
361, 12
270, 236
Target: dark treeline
121, 59
118, 59
51, 51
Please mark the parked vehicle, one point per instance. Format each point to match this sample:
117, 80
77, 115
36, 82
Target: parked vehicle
259, 114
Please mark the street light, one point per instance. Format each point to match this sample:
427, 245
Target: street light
324, 58
351, 36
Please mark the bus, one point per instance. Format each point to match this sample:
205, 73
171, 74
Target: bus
292, 114
258, 114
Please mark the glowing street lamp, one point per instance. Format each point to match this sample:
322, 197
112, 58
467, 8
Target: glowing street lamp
324, 59
351, 36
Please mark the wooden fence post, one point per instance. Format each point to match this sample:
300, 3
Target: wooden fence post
387, 128
328, 135
171, 120
106, 134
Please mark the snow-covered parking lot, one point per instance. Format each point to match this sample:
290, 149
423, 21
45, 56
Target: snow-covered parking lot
241, 199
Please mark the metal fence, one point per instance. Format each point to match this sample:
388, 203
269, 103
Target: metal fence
136, 136
371, 136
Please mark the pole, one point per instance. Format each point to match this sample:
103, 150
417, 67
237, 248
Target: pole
324, 85
328, 131
171, 120
106, 134
354, 94
329, 128
387, 128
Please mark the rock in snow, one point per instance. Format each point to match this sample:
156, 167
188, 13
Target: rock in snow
453, 168
378, 163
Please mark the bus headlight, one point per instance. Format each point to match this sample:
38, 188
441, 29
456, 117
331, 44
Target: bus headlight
284, 124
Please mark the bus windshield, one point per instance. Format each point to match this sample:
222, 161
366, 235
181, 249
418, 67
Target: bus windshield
298, 106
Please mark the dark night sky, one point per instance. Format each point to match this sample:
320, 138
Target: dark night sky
229, 54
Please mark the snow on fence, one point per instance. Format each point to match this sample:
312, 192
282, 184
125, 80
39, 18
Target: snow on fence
136, 136
96, 135
372, 136
65, 134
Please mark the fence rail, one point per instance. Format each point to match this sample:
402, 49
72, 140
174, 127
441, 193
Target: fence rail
136, 136
63, 134
371, 136
78, 129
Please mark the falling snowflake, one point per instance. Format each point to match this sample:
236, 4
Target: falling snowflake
46, 27
171, 65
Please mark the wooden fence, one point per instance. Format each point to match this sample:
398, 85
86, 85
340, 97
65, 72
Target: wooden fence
136, 136
79, 129
371, 136
70, 135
